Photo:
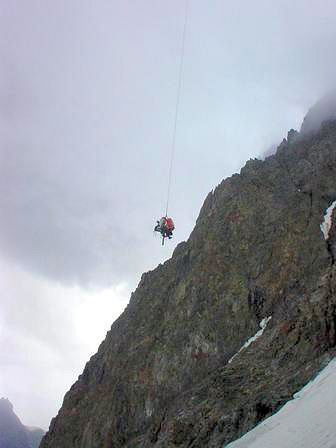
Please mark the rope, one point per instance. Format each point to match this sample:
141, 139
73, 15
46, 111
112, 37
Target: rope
179, 88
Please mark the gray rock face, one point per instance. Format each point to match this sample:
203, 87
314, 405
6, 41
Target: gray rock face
13, 434
165, 375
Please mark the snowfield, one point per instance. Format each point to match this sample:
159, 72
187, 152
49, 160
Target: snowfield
307, 421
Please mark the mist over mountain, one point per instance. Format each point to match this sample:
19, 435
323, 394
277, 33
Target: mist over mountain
323, 110
13, 434
241, 317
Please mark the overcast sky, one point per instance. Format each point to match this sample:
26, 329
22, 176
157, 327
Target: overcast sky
87, 99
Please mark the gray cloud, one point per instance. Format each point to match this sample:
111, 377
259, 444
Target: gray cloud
87, 110
47, 333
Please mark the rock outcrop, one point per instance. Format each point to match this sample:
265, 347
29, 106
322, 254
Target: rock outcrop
13, 434
172, 370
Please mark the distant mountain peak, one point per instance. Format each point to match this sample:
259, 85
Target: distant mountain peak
13, 434
5, 405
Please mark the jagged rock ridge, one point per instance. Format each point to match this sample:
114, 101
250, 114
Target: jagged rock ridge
162, 377
13, 434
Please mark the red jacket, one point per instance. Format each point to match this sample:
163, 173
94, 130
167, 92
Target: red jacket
170, 224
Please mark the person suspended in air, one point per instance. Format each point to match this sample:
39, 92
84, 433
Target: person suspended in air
165, 226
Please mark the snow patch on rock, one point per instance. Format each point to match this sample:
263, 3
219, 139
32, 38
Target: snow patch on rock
262, 325
326, 224
149, 408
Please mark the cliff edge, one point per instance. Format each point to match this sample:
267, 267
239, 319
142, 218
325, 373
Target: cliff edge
226, 331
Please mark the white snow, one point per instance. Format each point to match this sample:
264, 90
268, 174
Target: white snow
259, 333
307, 421
326, 224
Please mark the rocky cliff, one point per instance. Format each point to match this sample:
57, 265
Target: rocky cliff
13, 434
173, 370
